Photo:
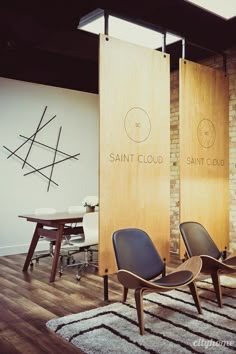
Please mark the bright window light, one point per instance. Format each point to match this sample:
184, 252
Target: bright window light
223, 8
129, 32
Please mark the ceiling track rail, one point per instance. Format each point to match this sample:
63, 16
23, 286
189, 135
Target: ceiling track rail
214, 52
159, 29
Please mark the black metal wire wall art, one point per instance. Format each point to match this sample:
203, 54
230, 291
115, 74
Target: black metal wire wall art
55, 150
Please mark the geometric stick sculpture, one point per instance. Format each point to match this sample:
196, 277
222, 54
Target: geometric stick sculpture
32, 142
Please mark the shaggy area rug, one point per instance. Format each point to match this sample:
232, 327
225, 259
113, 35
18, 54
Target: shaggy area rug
172, 324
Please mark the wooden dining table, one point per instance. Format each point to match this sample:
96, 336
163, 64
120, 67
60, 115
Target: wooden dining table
53, 226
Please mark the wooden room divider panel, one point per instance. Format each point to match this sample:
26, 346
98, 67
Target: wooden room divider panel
204, 149
134, 90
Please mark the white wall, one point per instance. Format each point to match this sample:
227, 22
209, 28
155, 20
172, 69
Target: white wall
21, 107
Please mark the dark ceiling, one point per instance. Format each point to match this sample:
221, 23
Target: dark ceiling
40, 42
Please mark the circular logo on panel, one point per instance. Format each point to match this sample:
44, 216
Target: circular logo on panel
137, 124
206, 133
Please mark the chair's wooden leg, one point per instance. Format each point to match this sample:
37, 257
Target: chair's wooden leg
125, 293
138, 294
216, 283
194, 292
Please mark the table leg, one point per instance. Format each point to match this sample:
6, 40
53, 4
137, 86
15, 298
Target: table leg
56, 253
32, 247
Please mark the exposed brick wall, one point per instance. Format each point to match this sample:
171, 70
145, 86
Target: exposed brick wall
218, 63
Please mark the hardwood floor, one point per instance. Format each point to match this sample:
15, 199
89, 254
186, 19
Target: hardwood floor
28, 301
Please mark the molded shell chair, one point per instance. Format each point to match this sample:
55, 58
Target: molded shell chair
198, 242
141, 268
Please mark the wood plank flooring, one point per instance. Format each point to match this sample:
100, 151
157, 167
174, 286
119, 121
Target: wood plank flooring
28, 301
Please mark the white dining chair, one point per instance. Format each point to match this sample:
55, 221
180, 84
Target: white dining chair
86, 245
68, 246
77, 209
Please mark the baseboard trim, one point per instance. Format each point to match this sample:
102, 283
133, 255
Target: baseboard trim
23, 248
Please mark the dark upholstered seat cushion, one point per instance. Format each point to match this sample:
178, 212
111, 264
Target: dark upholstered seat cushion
136, 253
175, 279
197, 240
231, 261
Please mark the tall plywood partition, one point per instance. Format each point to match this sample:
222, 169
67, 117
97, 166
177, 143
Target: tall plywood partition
204, 150
134, 145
